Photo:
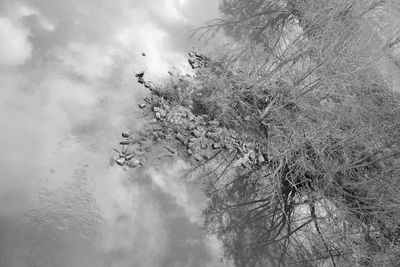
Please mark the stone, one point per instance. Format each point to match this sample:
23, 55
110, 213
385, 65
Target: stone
143, 54
191, 117
170, 73
126, 134
129, 157
192, 63
125, 142
190, 152
161, 135
180, 137
216, 145
170, 149
133, 163
142, 105
213, 123
252, 155
192, 140
196, 133
162, 112
261, 159
156, 100
197, 157
120, 161
203, 145
130, 149
190, 145
141, 80
158, 116
139, 75
240, 151
191, 126
124, 149
227, 146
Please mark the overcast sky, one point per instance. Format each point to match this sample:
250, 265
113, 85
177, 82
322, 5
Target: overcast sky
67, 91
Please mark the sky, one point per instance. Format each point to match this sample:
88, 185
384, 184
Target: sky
67, 91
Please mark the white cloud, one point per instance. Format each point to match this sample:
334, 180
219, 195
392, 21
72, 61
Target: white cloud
15, 48
169, 179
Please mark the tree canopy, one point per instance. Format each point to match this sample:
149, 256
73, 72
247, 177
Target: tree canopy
308, 170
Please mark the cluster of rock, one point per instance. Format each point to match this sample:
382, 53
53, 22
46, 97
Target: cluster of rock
197, 138
131, 152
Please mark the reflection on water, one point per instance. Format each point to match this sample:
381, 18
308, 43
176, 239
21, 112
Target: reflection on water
67, 90
145, 217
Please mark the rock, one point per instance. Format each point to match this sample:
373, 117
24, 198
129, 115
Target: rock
180, 137
143, 54
261, 158
190, 152
129, 157
196, 133
126, 134
140, 74
158, 116
192, 63
191, 126
170, 73
227, 146
170, 149
240, 151
142, 105
213, 123
130, 149
162, 112
124, 149
216, 145
141, 80
193, 140
161, 135
252, 155
190, 145
125, 142
191, 54
197, 157
191, 117
203, 145
133, 163
200, 128
200, 56
155, 100
120, 161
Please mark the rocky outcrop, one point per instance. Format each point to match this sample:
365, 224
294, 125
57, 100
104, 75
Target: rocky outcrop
197, 138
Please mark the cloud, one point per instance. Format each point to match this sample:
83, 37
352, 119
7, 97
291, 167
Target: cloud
15, 48
64, 109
